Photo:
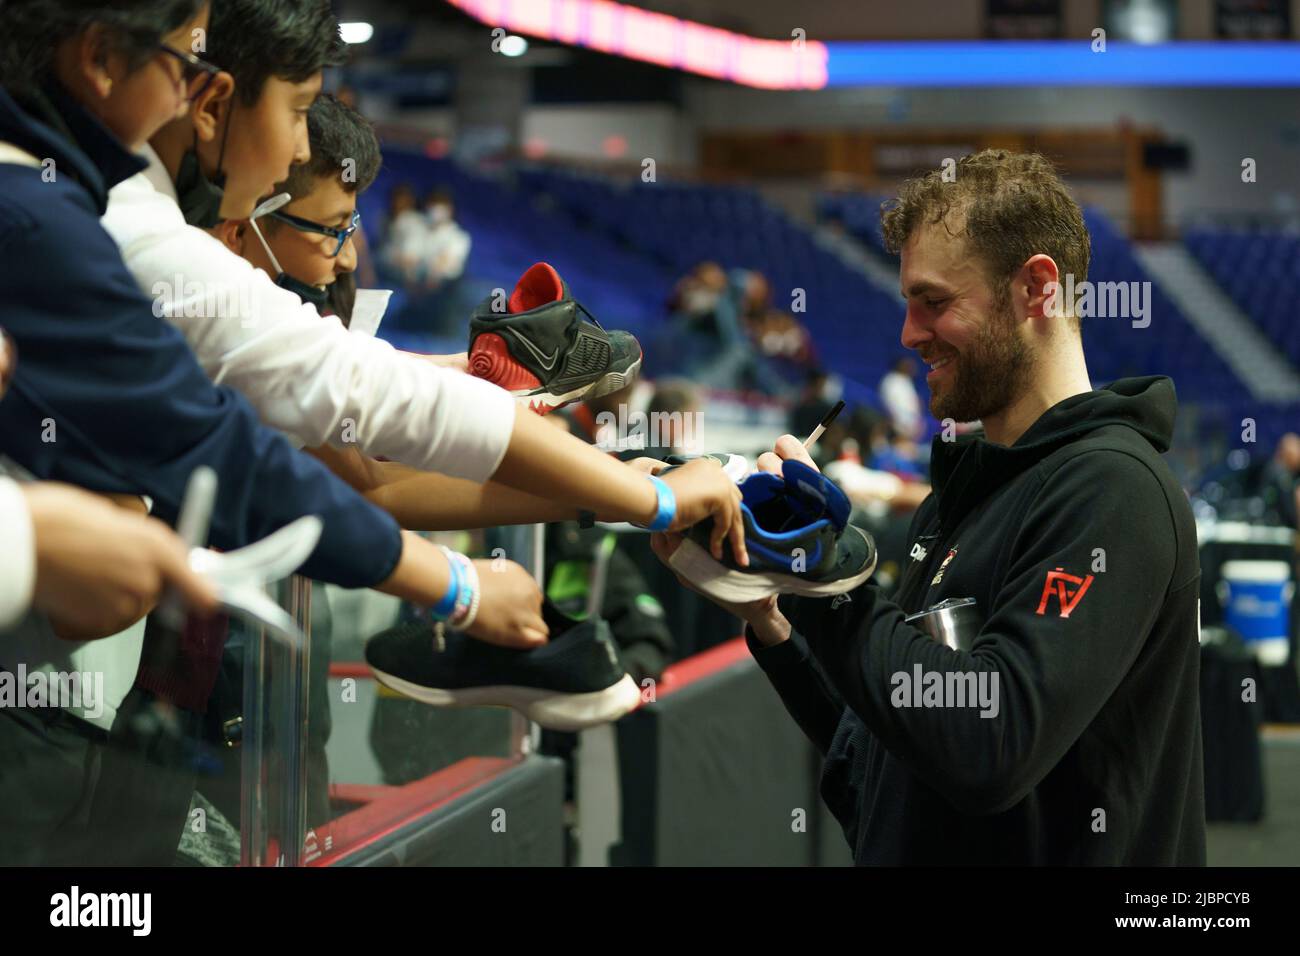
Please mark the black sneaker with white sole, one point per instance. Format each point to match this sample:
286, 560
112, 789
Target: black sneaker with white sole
798, 538
546, 349
573, 681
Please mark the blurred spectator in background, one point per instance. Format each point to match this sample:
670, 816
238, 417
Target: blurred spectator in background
698, 294
404, 243
425, 251
870, 429
1280, 481
755, 296
779, 336
447, 245
812, 405
902, 403
775, 333
674, 415
704, 325
588, 419
899, 456
716, 326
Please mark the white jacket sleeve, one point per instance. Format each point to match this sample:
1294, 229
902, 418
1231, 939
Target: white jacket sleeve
306, 375
17, 554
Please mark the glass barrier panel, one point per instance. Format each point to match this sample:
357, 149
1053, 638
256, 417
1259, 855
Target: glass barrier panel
375, 759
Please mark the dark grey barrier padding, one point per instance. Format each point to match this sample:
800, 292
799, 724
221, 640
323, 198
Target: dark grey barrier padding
462, 833
713, 774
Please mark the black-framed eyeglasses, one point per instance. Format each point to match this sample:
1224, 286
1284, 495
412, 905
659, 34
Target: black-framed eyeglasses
196, 73
306, 225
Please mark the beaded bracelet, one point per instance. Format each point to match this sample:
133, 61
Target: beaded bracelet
466, 622
467, 581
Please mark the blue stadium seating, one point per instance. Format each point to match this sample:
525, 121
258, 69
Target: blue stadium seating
1260, 271
622, 243
677, 225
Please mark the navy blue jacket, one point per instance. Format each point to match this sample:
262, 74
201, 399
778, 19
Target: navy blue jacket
119, 391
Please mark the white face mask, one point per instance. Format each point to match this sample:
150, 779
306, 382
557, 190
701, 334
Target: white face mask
699, 301
368, 310
439, 215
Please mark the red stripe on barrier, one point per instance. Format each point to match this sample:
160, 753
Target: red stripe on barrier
360, 793
388, 812
702, 665
351, 669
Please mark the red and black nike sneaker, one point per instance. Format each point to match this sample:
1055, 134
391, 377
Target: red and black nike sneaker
538, 346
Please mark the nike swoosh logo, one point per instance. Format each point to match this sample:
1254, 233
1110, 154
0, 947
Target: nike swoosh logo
547, 361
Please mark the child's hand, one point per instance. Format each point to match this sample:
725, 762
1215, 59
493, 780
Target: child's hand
702, 490
648, 466
510, 606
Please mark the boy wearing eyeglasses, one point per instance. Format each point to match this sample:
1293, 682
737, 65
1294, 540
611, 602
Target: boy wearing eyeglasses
314, 381
306, 244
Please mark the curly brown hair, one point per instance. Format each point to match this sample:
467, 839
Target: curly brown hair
1009, 206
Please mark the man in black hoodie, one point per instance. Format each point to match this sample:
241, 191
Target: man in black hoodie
1068, 730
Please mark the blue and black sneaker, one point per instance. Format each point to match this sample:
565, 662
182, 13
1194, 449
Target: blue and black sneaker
798, 537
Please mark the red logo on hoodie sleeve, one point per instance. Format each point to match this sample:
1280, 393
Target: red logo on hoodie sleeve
1068, 589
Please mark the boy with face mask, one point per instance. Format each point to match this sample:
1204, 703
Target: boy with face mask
307, 242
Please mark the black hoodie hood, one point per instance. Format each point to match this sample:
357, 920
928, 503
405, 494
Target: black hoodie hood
965, 471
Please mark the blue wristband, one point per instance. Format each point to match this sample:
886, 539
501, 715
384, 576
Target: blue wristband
444, 608
667, 505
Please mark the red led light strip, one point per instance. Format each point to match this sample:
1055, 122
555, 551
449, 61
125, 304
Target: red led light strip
638, 34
